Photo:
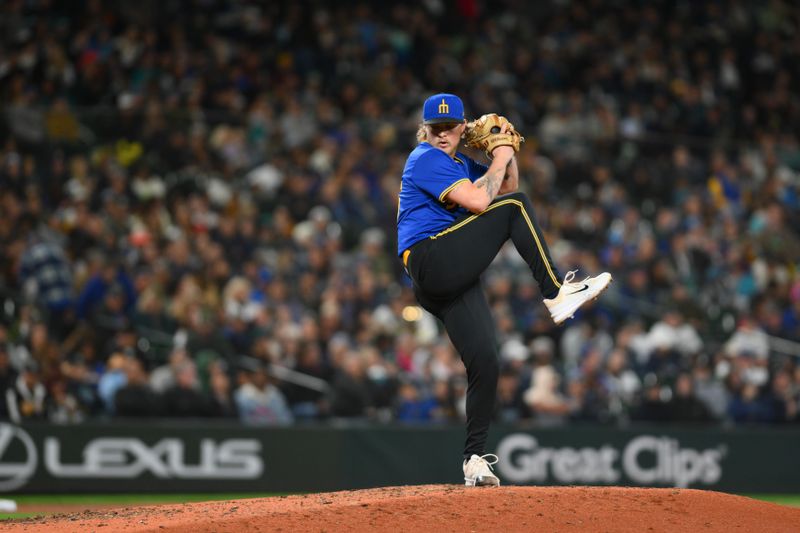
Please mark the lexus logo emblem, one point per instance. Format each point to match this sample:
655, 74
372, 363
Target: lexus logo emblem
13, 441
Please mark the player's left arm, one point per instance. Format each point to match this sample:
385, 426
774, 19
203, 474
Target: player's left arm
511, 180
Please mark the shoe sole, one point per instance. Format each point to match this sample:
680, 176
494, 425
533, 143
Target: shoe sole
561, 318
481, 481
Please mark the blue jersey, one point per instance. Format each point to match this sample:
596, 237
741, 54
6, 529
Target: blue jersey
429, 175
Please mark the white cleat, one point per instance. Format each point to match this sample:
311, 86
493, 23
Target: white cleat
573, 295
478, 472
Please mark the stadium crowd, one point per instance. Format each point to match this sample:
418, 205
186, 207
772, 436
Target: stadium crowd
197, 208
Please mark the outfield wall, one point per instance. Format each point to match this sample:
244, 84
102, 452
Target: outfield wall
209, 457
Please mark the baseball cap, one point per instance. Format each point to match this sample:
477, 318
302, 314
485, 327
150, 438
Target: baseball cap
441, 108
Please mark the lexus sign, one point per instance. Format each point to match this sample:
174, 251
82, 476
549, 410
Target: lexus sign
18, 459
128, 458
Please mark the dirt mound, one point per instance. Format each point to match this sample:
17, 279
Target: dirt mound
446, 508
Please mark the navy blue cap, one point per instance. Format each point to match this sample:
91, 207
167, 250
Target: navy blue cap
441, 108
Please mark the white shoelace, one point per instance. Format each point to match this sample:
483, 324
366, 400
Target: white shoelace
568, 281
488, 463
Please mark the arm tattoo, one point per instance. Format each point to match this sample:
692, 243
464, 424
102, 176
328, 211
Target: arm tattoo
491, 182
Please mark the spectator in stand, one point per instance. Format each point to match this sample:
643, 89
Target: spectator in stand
510, 406
110, 317
382, 383
8, 379
105, 274
413, 405
136, 399
548, 405
44, 272
113, 379
81, 371
685, 406
446, 411
308, 403
222, 402
184, 399
203, 336
258, 401
350, 397
781, 400
748, 338
165, 376
623, 384
63, 407
652, 407
590, 389
27, 398
746, 405
710, 391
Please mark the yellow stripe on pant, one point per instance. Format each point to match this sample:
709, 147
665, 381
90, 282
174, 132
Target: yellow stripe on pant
509, 201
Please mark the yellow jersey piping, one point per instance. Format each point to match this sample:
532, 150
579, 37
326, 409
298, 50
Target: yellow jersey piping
509, 201
450, 188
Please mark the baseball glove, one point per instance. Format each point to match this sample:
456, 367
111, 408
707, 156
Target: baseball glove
485, 134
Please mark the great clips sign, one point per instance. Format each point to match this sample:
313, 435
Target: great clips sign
643, 460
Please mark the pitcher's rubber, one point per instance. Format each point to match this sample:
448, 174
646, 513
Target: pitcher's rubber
447, 508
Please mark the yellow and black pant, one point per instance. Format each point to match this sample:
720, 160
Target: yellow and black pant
446, 270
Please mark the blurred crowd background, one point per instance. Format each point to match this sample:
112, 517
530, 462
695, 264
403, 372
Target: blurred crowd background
198, 201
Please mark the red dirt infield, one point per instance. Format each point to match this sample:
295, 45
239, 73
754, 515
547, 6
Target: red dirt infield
445, 508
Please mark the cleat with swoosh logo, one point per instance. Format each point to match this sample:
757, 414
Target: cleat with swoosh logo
573, 295
478, 471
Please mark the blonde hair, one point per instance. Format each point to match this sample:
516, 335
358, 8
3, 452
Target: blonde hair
421, 133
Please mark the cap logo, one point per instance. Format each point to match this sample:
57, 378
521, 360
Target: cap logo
442, 108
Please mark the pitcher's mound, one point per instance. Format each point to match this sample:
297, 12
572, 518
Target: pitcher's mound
448, 508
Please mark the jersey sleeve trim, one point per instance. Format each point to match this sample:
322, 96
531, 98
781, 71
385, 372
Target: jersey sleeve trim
450, 188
